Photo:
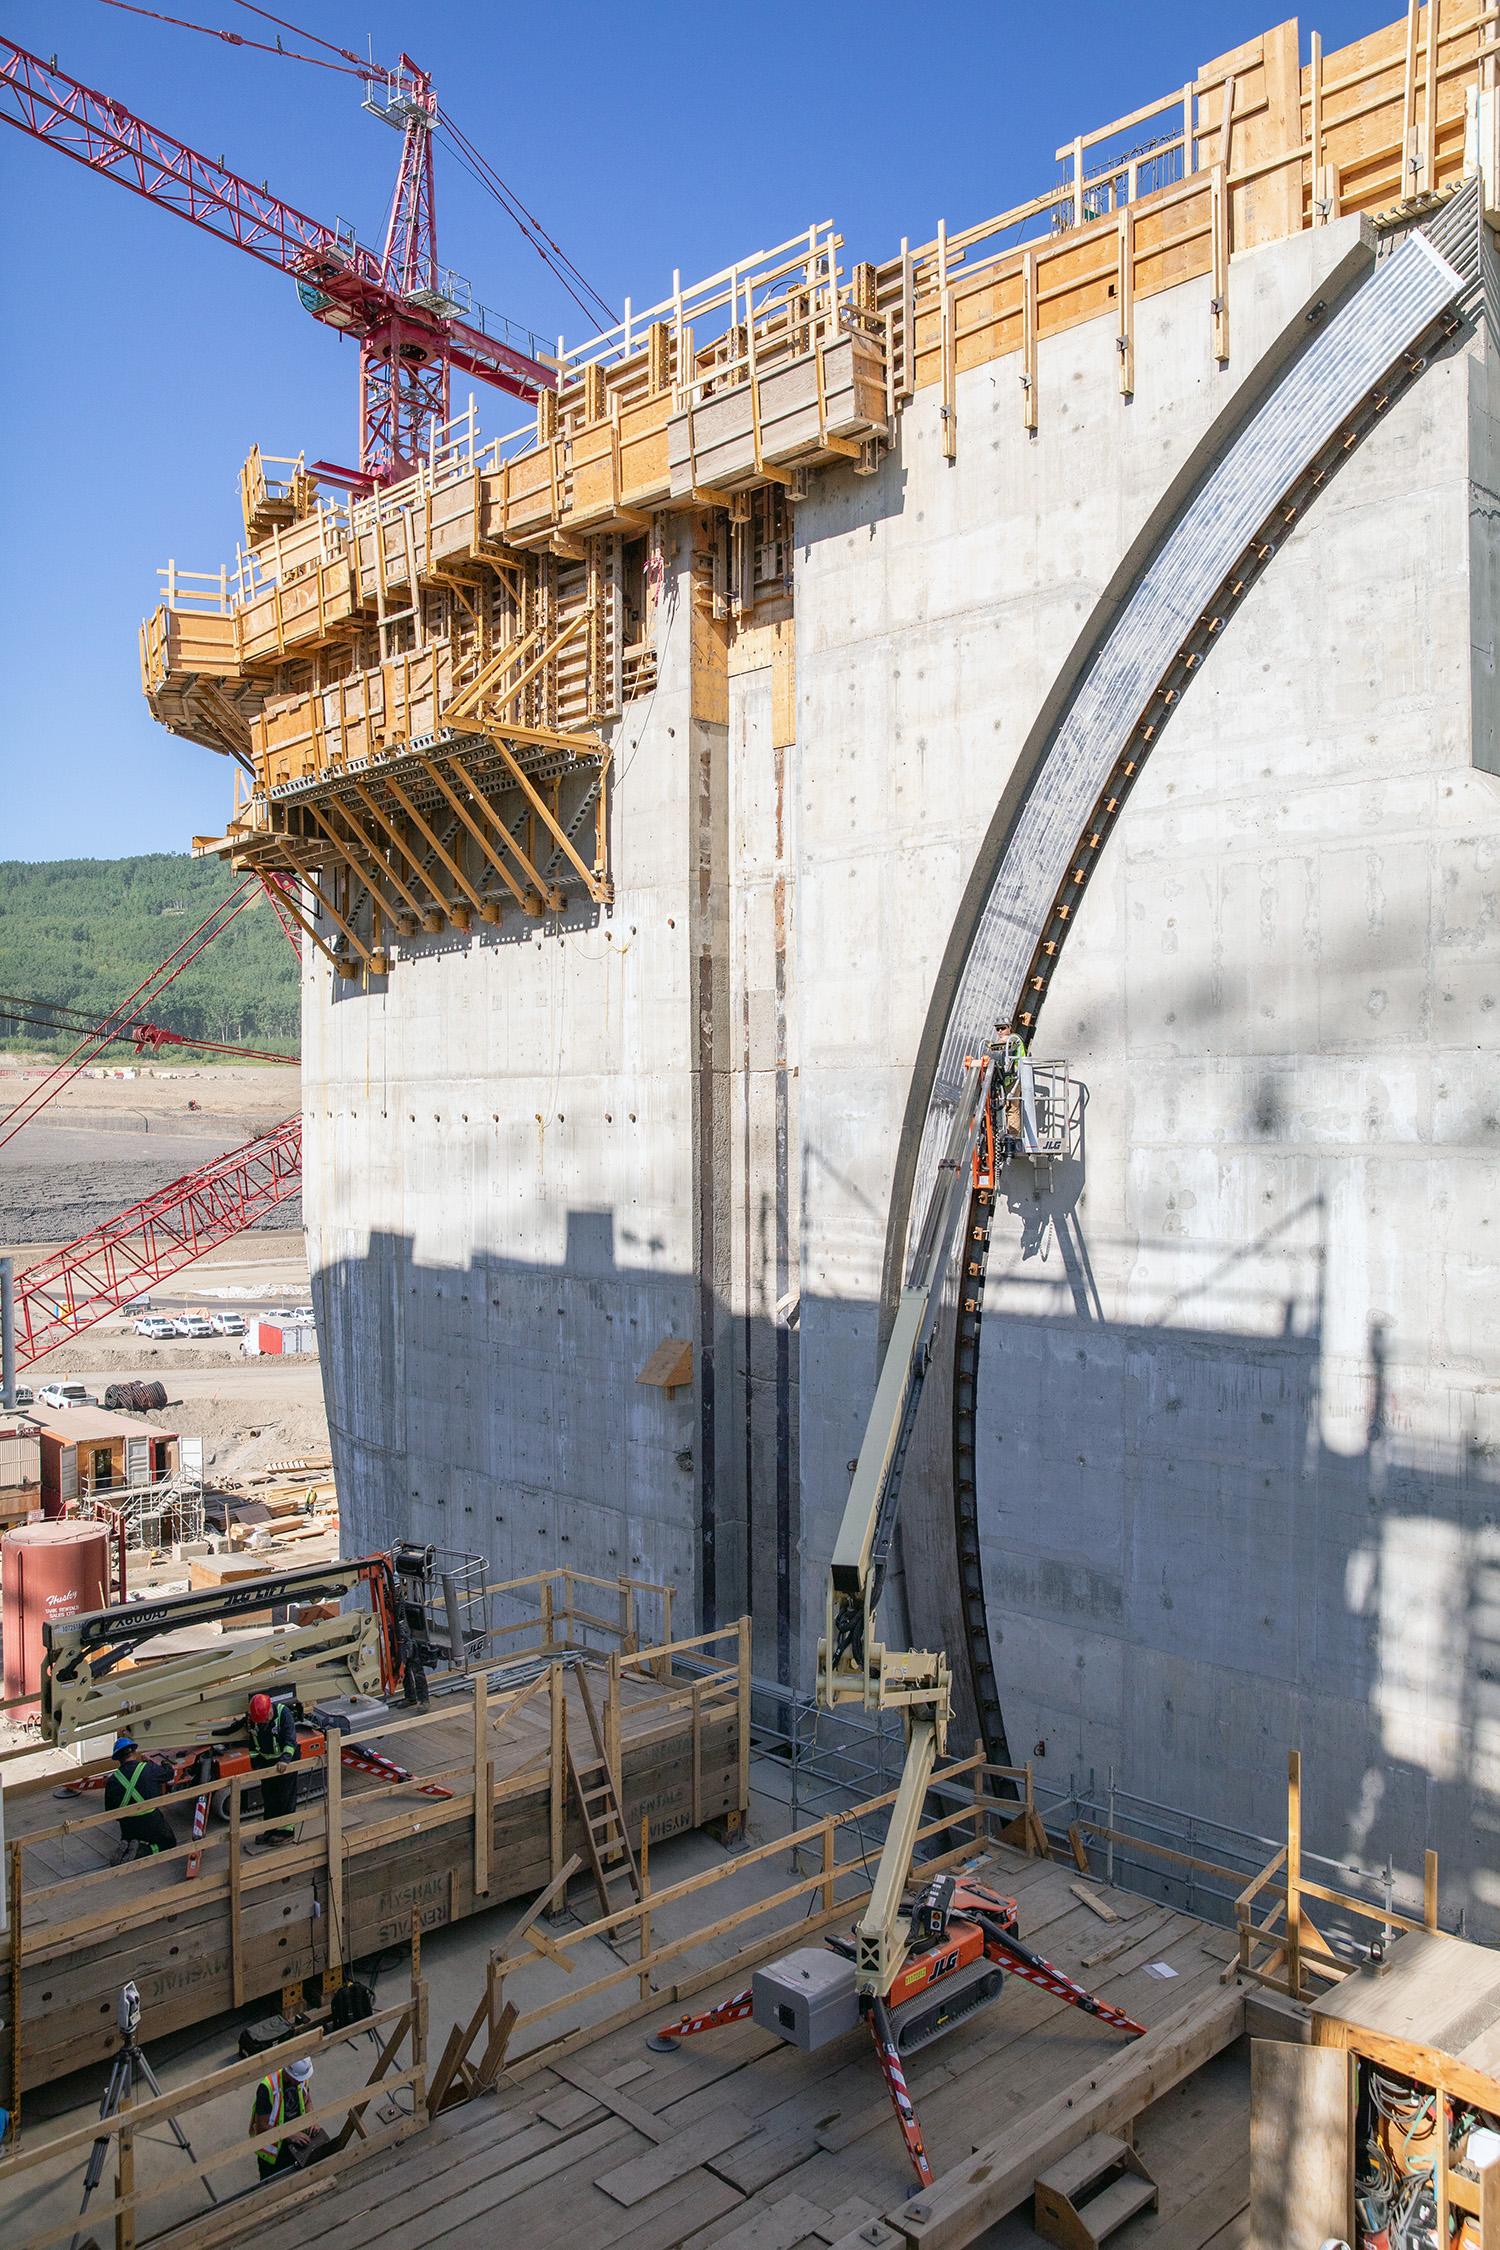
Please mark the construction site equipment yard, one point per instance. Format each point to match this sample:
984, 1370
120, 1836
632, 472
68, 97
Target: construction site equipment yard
860, 1610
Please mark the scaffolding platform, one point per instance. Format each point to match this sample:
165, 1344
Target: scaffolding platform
372, 1855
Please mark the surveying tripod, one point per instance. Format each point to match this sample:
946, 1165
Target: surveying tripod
126, 2073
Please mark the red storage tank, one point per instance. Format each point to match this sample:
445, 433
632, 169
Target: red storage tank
47, 1570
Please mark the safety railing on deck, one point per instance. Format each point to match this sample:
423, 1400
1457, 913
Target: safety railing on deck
119, 2140
552, 1610
337, 1840
525, 2039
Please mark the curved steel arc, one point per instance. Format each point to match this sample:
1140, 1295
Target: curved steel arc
1138, 656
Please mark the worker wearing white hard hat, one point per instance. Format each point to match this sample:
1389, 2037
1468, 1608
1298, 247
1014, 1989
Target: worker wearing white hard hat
281, 2096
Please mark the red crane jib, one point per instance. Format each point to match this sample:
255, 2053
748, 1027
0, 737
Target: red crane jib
62, 1295
343, 283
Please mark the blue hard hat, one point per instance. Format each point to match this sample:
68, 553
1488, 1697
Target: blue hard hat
123, 1742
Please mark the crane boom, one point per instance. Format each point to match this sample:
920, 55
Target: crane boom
407, 329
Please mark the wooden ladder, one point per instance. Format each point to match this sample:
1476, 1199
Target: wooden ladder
606, 1840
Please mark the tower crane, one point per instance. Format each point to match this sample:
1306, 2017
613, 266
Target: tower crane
413, 322
915, 1968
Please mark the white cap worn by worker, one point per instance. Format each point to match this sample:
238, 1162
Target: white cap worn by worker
301, 2069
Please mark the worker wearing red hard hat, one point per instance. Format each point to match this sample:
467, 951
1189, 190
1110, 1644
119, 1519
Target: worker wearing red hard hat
273, 1753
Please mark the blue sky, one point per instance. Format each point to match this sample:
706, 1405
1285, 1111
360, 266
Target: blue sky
152, 356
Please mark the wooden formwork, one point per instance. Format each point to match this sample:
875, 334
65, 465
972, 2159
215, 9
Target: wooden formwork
486, 1815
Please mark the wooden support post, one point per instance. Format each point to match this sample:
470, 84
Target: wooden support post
664, 1663
643, 1870
418, 1995
1294, 1874
1319, 212
622, 1625
13, 1909
546, 1613
1078, 179
1219, 201
557, 1806
236, 1879
333, 1774
1028, 339
978, 1792
947, 348
483, 1785
612, 1720
695, 1707
1409, 101
1125, 288
1430, 1891
743, 1702
1429, 98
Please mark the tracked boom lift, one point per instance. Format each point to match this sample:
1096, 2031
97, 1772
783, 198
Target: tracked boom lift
912, 1971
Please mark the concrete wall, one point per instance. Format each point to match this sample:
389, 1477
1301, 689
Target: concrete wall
1236, 1399
1237, 1388
500, 1197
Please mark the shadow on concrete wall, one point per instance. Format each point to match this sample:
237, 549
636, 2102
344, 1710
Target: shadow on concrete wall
1161, 1513
1168, 1527
498, 1407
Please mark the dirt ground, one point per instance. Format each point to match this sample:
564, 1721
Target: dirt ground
105, 1141
101, 1145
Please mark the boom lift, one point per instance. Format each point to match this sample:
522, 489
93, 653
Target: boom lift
337, 1671
913, 1972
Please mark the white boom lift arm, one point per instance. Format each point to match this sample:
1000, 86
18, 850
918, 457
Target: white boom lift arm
853, 1666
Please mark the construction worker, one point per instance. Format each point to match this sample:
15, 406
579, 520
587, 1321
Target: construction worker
136, 1781
274, 1753
1012, 1055
279, 2097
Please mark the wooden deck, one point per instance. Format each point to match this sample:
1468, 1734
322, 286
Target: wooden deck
371, 1858
743, 2143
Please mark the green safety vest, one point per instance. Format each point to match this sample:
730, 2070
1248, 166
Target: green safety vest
132, 1794
281, 2096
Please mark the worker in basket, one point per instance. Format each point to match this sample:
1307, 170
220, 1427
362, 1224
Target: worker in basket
273, 1753
281, 2096
1012, 1055
136, 1781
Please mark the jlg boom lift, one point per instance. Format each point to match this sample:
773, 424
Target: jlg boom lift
914, 1969
100, 1677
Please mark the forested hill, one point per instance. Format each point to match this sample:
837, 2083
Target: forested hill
83, 933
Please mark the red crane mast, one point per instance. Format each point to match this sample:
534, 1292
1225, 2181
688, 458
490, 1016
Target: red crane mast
410, 325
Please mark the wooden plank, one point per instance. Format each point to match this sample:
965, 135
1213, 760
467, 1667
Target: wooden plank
1094, 1902
610, 2097
963, 2202
775, 2226
1301, 2145
631, 2183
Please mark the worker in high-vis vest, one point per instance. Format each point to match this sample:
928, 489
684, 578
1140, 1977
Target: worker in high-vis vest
274, 1753
281, 2097
136, 1781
